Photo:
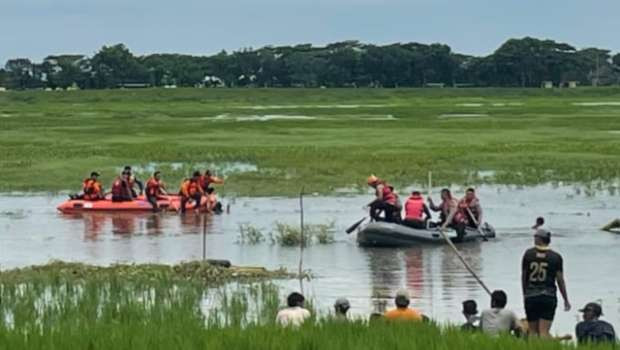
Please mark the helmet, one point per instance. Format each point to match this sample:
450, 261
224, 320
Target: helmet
372, 180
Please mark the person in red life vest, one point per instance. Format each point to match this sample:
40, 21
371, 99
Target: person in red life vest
469, 210
446, 207
191, 189
386, 201
121, 190
92, 190
213, 205
416, 211
155, 189
208, 178
133, 181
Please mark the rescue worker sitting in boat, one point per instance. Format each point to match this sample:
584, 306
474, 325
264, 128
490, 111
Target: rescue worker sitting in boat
469, 210
208, 178
386, 201
121, 190
133, 181
92, 190
155, 190
447, 206
416, 212
191, 190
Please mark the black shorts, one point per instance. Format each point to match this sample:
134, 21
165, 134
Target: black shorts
540, 307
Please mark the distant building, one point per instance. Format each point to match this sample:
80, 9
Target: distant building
572, 84
134, 85
547, 84
2, 89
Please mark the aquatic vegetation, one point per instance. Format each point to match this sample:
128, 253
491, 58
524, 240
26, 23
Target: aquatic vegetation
530, 136
249, 234
291, 235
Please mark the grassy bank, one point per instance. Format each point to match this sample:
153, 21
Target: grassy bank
71, 306
332, 138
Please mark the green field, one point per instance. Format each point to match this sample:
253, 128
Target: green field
75, 306
49, 141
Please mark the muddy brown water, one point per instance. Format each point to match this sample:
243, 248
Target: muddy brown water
33, 232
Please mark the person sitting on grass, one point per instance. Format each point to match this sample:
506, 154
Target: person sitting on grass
470, 311
593, 330
92, 190
294, 315
341, 307
403, 312
416, 211
498, 319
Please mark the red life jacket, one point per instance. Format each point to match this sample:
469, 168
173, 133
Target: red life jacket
190, 188
120, 188
462, 215
388, 193
414, 208
153, 187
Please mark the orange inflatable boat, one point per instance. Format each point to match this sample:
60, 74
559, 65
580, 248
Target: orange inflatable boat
139, 204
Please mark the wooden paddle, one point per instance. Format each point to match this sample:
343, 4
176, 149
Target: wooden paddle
355, 225
473, 218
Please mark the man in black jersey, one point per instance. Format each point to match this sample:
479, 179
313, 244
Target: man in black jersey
541, 270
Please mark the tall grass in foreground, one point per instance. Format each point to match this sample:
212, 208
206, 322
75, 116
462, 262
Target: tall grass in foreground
145, 308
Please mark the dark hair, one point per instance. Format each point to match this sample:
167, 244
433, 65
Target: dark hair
196, 173
470, 307
415, 193
295, 299
401, 301
540, 220
471, 189
127, 167
499, 299
445, 190
156, 173
207, 172
210, 190
545, 240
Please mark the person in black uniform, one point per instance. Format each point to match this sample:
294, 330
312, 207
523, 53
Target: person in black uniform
541, 269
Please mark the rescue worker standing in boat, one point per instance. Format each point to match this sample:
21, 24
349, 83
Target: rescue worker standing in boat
386, 201
155, 188
416, 212
191, 189
91, 188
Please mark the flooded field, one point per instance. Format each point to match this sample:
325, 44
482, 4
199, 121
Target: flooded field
33, 232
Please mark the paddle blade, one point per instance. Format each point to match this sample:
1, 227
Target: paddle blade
355, 225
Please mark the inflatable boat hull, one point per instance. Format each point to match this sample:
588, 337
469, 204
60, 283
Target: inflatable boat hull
384, 234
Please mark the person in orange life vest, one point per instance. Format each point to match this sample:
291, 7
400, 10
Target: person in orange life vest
133, 181
155, 188
92, 190
208, 178
416, 211
121, 190
213, 206
386, 201
191, 189
447, 206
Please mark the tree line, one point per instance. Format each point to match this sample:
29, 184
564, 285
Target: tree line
526, 62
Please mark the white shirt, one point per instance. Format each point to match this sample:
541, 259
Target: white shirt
495, 321
292, 316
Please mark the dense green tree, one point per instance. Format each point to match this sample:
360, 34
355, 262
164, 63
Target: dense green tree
114, 65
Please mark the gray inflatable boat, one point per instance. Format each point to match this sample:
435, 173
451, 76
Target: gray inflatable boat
385, 234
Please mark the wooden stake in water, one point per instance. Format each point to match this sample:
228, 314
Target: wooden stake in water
303, 241
204, 237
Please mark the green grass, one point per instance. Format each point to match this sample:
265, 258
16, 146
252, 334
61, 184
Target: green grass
139, 307
50, 140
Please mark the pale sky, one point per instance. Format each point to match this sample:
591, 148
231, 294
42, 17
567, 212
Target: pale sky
36, 28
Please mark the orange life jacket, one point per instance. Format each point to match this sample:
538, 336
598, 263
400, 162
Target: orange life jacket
189, 188
388, 193
92, 189
153, 187
414, 208
462, 215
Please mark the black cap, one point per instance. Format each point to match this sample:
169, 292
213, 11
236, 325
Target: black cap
594, 307
470, 307
94, 173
